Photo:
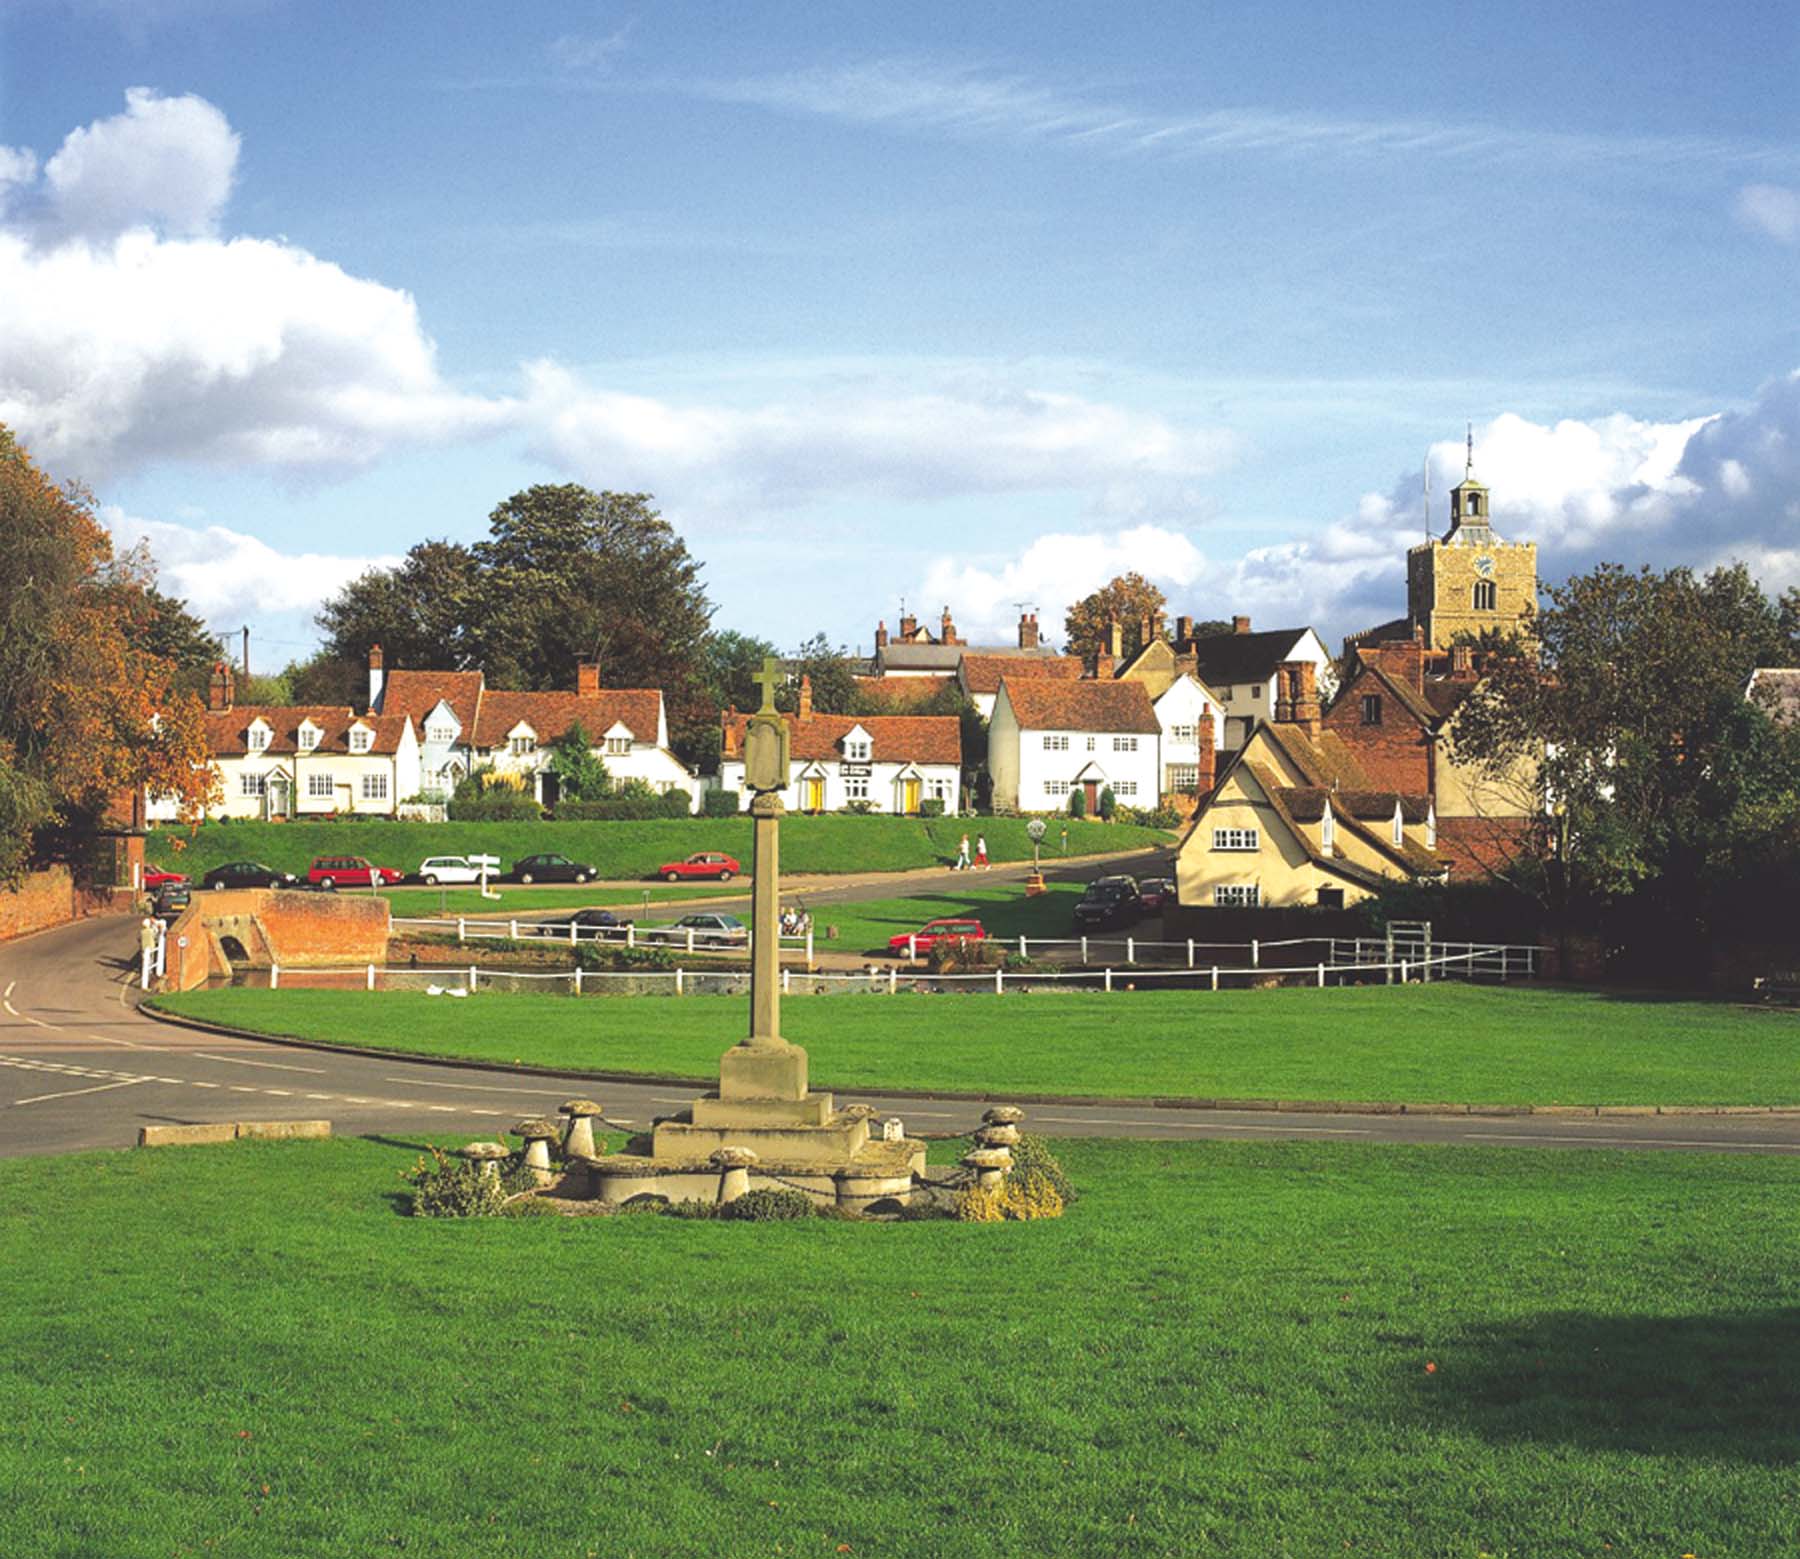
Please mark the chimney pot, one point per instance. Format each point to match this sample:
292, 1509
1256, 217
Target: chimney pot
1184, 629
881, 634
1208, 755
948, 633
377, 678
805, 707
220, 690
1240, 625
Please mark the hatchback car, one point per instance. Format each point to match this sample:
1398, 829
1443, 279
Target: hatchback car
600, 924
1157, 894
350, 871
158, 877
708, 863
247, 874
714, 930
935, 931
1109, 902
550, 868
447, 868
170, 900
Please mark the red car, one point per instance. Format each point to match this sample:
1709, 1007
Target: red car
157, 877
708, 863
350, 871
935, 931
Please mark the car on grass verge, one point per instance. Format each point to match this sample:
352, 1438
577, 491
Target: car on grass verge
550, 868
1157, 894
600, 925
447, 868
934, 931
350, 871
711, 930
1109, 902
708, 863
159, 877
247, 874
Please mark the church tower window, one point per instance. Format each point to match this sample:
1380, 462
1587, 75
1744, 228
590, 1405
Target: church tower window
1484, 595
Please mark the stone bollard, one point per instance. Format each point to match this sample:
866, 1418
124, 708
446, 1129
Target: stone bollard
578, 1142
487, 1155
990, 1166
734, 1167
997, 1136
538, 1135
1003, 1115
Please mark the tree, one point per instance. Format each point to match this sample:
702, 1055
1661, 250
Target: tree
88, 713
424, 613
834, 690
326, 679
1128, 600
580, 775
161, 625
1625, 708
729, 661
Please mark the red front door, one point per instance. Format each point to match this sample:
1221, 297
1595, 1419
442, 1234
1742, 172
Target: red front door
1092, 787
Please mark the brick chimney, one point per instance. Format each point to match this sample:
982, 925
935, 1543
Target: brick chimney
1240, 625
377, 679
804, 712
1146, 630
1115, 638
1208, 755
728, 740
1304, 682
1028, 630
587, 678
1184, 629
219, 690
948, 633
909, 628
1284, 693
881, 634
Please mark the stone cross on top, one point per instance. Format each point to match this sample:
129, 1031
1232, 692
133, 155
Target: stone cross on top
768, 679
766, 763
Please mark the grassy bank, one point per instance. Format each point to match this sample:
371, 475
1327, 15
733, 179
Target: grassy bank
1226, 1348
1450, 1043
415, 902
630, 850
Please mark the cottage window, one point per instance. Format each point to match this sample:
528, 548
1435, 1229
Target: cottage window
522, 746
253, 784
1181, 733
259, 738
440, 735
1056, 744
1236, 839
309, 737
1184, 777
618, 746
1124, 744
856, 750
1125, 788
374, 787
319, 786
856, 787
1090, 742
939, 790
1484, 595
1056, 788
1256, 690
361, 739
1237, 895
1371, 709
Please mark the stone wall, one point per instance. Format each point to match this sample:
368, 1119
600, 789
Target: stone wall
52, 898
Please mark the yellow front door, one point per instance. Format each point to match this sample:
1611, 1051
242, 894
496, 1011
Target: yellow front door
815, 796
909, 796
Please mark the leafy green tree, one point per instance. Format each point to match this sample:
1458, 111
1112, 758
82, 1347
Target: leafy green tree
729, 661
834, 690
1127, 600
424, 613
580, 775
325, 679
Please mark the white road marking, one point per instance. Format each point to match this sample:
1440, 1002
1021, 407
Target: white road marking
280, 1093
413, 1082
129, 1044
9, 990
240, 1088
1634, 1142
275, 1066
315, 1095
1311, 1131
71, 1093
216, 1085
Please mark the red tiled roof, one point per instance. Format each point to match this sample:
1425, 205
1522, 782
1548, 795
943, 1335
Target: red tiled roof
417, 693
227, 731
551, 714
983, 673
1043, 705
893, 738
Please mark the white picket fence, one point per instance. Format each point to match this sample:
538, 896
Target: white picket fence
671, 938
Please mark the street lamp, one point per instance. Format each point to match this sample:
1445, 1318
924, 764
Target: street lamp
1035, 883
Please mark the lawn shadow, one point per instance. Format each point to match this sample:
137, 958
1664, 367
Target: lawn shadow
1725, 1386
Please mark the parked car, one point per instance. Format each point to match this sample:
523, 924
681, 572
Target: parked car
602, 924
708, 863
447, 868
170, 900
714, 930
247, 874
156, 877
350, 871
935, 931
1109, 902
1157, 894
550, 868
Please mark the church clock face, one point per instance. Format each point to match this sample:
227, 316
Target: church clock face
1484, 566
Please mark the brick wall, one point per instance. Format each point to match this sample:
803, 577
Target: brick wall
51, 898
1475, 847
1395, 753
297, 929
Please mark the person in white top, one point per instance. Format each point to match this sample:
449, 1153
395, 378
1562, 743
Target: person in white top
962, 856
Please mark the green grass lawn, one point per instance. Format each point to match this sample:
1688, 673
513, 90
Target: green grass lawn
432, 902
621, 850
1422, 1044
1223, 1348
1002, 909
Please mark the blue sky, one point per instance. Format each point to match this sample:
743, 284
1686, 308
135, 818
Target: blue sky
965, 305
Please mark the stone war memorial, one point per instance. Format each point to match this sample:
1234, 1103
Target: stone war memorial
764, 1126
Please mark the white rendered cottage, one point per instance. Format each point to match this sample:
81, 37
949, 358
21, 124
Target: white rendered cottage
890, 763
1048, 739
1189, 716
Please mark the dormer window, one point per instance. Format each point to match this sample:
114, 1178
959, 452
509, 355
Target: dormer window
361, 738
618, 746
440, 735
857, 745
258, 737
309, 736
522, 742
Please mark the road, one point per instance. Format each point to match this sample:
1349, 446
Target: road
81, 1067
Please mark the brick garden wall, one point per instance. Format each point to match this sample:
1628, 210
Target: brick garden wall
52, 898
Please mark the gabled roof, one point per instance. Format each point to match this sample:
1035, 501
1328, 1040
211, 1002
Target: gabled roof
1041, 704
417, 693
1223, 659
551, 714
1330, 761
946, 657
982, 671
227, 730
893, 738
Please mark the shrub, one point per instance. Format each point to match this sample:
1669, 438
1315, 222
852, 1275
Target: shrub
699, 1212
1078, 802
768, 1204
1032, 1157
720, 803
859, 808
485, 797
1109, 803
614, 955
447, 1187
633, 802
1018, 1199
931, 806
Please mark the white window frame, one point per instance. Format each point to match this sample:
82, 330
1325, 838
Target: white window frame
440, 735
1184, 777
1125, 788
374, 787
1124, 744
1237, 839
1056, 789
257, 738
618, 746
856, 787
521, 746
1056, 744
362, 739
252, 784
1184, 733
1237, 895
306, 739
857, 751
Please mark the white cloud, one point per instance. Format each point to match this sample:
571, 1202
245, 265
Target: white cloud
1772, 210
226, 575
967, 434
165, 161
590, 52
18, 168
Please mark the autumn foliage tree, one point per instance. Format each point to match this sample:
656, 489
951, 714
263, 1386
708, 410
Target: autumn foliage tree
1128, 600
89, 705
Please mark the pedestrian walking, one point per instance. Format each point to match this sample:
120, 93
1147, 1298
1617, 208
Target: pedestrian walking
962, 856
981, 859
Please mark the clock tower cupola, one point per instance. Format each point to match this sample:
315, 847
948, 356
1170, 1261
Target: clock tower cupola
1470, 581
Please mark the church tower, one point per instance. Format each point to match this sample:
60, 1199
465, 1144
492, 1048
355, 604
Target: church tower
1470, 580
